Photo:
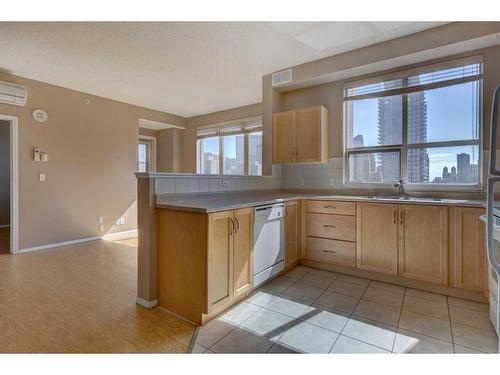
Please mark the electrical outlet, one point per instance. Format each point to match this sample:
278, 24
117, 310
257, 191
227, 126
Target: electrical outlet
331, 182
224, 183
100, 220
101, 227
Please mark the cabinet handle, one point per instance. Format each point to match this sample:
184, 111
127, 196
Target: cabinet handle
329, 226
237, 225
395, 216
231, 226
402, 216
331, 206
330, 251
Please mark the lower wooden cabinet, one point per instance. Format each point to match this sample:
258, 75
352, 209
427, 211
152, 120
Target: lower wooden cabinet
342, 253
467, 255
205, 261
220, 259
377, 237
242, 251
291, 233
423, 243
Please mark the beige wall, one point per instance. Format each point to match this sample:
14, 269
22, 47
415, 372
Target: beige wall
92, 152
188, 136
4, 173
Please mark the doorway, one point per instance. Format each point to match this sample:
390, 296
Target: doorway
8, 185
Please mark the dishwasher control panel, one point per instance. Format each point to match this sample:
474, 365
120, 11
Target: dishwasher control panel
268, 213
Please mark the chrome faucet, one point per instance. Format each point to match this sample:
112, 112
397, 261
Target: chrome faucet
401, 188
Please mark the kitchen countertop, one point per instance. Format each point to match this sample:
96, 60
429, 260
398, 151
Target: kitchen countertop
214, 202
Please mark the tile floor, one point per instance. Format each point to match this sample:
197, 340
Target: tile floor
313, 311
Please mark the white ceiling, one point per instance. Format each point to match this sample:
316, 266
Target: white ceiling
185, 68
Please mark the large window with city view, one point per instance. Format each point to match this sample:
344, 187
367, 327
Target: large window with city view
231, 149
420, 126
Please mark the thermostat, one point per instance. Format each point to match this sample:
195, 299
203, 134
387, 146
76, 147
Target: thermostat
40, 115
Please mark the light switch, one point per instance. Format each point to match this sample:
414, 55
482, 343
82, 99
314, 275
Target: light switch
41, 177
100, 220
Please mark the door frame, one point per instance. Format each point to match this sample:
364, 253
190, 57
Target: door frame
14, 182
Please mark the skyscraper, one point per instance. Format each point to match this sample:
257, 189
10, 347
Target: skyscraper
390, 115
390, 110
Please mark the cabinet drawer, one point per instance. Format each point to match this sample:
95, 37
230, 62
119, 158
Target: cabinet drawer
331, 207
337, 227
331, 251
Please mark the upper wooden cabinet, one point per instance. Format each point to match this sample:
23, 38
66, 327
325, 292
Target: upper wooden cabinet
291, 233
467, 263
301, 136
377, 237
423, 243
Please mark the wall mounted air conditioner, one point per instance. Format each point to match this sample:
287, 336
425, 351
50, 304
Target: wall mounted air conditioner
13, 94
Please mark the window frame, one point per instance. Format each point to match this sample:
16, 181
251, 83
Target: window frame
212, 131
404, 147
150, 153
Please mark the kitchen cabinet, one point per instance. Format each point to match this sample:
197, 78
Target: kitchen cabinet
377, 237
301, 136
220, 259
291, 233
423, 243
242, 251
205, 261
330, 230
284, 137
467, 263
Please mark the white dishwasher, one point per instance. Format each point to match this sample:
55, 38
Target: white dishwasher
269, 242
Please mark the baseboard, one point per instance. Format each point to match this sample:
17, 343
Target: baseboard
147, 304
58, 244
5, 226
112, 236
121, 235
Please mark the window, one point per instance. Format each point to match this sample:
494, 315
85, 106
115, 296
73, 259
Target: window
146, 158
422, 126
233, 148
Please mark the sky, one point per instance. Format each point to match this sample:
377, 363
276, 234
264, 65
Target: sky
450, 116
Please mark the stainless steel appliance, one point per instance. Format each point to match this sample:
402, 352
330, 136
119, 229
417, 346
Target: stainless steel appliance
269, 242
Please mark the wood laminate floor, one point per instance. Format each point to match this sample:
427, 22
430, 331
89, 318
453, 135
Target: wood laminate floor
4, 240
81, 299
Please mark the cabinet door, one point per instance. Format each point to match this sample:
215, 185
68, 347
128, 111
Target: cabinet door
284, 137
308, 135
467, 264
291, 233
423, 243
377, 237
220, 259
243, 251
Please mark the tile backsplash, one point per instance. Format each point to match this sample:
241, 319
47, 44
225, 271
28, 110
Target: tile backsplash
326, 176
313, 176
192, 183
